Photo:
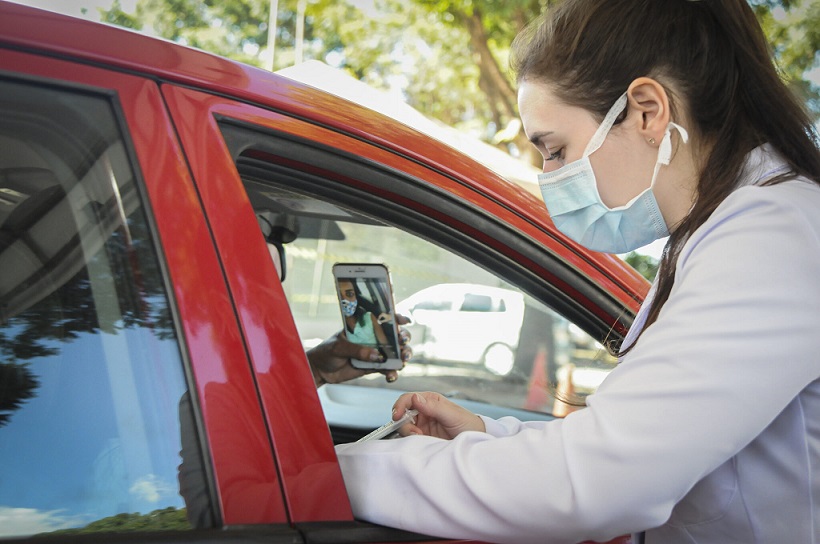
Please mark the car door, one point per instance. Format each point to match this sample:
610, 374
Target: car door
343, 196
118, 331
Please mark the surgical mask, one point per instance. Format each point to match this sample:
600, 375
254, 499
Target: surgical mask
349, 307
575, 206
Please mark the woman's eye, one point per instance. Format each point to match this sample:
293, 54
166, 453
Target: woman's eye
557, 155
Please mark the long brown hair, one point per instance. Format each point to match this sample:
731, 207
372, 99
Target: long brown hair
713, 60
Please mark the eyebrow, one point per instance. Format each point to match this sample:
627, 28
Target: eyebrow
536, 138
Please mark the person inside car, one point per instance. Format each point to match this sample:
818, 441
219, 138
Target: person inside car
330, 360
654, 118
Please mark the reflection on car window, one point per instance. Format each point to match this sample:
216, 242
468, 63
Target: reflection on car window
90, 371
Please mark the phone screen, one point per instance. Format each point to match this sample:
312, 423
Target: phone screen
368, 313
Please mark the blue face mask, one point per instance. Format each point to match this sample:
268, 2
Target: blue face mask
576, 208
349, 307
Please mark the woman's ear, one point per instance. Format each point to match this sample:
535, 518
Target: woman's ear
648, 97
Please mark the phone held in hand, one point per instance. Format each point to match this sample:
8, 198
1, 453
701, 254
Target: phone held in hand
365, 295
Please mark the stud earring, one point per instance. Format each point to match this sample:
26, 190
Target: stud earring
651, 141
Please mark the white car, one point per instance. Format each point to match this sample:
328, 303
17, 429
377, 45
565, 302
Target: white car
465, 323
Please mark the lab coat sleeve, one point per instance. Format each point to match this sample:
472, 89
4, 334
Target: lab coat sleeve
735, 343
508, 426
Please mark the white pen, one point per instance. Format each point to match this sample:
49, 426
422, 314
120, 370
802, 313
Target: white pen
388, 428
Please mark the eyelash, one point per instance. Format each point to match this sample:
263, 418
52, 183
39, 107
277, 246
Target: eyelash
554, 156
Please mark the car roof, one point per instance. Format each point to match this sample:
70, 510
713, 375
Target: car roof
38, 31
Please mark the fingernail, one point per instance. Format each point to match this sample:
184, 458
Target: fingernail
375, 356
391, 379
421, 399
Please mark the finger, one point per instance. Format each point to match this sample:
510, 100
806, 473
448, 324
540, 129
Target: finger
404, 336
406, 354
343, 347
426, 403
409, 429
402, 320
390, 375
402, 403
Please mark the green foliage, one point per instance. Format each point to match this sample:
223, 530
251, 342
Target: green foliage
17, 385
793, 30
167, 519
116, 16
645, 265
236, 29
449, 57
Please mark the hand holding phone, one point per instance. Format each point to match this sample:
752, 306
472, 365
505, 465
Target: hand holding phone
366, 303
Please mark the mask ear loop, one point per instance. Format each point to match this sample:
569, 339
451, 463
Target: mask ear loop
665, 149
606, 125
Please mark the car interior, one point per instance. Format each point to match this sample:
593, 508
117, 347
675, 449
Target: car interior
483, 354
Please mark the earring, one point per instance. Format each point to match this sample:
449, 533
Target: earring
651, 141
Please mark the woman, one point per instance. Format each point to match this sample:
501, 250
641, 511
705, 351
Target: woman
361, 326
654, 118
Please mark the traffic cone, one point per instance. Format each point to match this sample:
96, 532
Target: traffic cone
564, 391
537, 394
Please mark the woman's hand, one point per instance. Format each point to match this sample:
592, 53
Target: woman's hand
438, 416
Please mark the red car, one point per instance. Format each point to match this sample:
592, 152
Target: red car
143, 186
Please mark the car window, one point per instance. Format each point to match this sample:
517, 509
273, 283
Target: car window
477, 303
476, 336
491, 347
91, 374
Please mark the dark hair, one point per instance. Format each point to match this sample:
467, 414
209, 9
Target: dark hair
713, 60
361, 311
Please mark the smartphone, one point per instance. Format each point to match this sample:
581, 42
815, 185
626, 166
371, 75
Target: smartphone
365, 295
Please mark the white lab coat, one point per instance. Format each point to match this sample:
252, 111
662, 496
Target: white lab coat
707, 432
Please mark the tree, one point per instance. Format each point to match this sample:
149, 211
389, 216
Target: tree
793, 30
490, 26
17, 384
449, 57
166, 519
116, 16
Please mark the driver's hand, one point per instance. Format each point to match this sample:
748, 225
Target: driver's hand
330, 360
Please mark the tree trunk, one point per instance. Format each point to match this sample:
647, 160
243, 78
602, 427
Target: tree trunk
496, 85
